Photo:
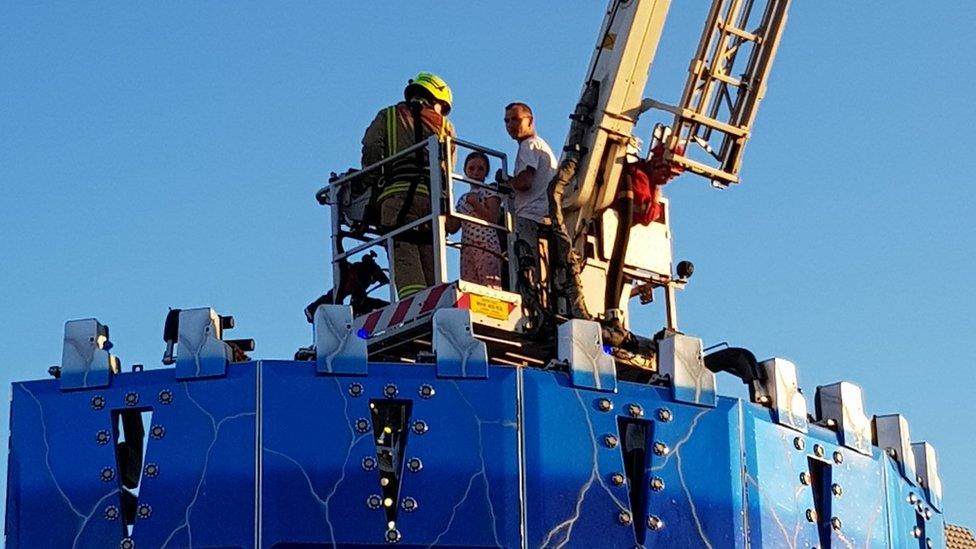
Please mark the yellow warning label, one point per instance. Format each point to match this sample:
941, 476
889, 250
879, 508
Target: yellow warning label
490, 307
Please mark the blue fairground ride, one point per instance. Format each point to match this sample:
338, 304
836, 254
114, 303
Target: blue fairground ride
466, 416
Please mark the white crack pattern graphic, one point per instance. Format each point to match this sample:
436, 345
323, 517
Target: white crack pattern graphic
482, 472
570, 522
216, 426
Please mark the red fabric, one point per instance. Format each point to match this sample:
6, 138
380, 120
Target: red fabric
647, 177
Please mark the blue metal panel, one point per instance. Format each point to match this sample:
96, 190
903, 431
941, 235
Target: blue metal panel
777, 499
701, 504
466, 492
910, 525
570, 466
857, 493
68, 478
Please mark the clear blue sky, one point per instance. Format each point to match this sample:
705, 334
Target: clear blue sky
166, 154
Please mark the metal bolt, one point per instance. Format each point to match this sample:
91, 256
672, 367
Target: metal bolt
131, 399
369, 463
664, 414
799, 443
916, 532
836, 523
604, 405
657, 484
623, 517
818, 450
928, 543
891, 452
409, 504
928, 514
655, 523
107, 474
838, 457
127, 543
374, 501
610, 441
393, 535
144, 511
390, 391
912, 498
166, 396
616, 479
811, 515
635, 410
836, 489
355, 389
97, 402
157, 431
420, 426
111, 512
805, 478
151, 470
415, 465
661, 448
426, 391
102, 437
362, 425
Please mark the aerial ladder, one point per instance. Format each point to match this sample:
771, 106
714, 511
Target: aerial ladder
599, 259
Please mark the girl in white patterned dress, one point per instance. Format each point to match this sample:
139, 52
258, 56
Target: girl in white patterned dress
480, 248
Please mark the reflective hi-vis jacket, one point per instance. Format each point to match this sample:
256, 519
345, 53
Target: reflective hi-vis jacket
392, 131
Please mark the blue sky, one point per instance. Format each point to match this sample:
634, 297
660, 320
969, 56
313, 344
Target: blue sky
166, 155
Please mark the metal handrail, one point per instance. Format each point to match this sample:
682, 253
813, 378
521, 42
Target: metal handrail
442, 178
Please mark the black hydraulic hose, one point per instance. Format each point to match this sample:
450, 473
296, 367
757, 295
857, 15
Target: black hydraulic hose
624, 204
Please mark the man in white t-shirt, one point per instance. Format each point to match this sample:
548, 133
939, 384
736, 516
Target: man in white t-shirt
535, 167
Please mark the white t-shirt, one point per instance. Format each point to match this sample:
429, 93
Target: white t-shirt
534, 203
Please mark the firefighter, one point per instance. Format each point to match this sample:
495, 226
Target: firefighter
404, 187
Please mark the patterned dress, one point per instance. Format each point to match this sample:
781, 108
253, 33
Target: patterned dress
480, 262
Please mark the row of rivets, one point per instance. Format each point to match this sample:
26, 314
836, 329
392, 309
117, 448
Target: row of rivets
131, 399
391, 391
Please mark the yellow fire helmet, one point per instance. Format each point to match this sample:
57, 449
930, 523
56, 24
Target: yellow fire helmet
435, 85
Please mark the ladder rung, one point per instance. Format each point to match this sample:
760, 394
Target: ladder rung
727, 79
703, 120
739, 32
702, 169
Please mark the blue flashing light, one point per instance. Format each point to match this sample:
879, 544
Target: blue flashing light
608, 349
362, 333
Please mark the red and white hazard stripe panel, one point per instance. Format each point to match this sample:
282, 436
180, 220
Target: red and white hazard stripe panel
491, 307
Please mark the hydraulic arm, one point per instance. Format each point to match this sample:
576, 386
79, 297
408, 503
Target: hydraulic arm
593, 197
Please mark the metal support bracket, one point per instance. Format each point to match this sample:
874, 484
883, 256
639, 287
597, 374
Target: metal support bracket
928, 472
843, 404
339, 350
788, 404
891, 435
85, 359
680, 357
459, 353
580, 345
200, 351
